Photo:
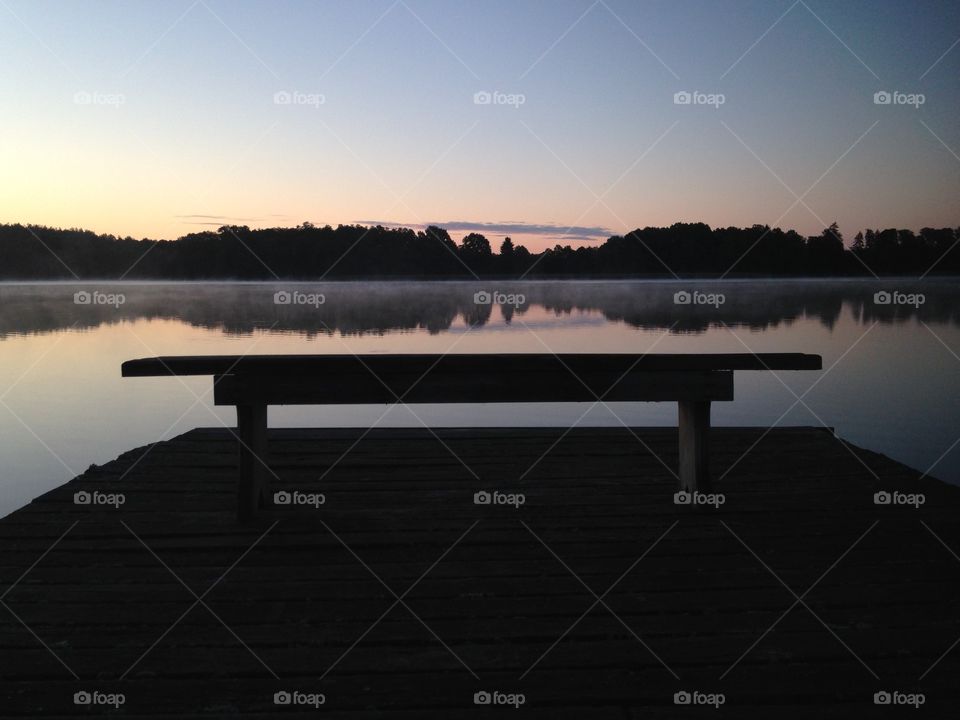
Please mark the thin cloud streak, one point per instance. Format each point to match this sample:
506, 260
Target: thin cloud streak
585, 233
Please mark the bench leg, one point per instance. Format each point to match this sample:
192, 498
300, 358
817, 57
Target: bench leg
252, 486
694, 445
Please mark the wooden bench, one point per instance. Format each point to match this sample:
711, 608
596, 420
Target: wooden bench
253, 382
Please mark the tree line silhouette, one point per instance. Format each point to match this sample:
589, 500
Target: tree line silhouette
354, 251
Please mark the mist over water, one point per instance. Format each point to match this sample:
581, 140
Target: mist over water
890, 380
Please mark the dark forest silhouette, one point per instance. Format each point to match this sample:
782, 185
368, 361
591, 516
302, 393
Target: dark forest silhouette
354, 251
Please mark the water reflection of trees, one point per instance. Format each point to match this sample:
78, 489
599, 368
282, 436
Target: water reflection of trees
376, 308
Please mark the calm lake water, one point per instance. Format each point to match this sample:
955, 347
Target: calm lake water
891, 378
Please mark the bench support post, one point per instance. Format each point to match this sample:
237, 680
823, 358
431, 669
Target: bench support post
252, 485
694, 422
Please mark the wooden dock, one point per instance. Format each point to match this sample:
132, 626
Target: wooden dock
399, 597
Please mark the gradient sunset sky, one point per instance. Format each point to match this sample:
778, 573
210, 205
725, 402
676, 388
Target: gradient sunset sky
162, 118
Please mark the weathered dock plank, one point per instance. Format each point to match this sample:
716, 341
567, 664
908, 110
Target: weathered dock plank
400, 597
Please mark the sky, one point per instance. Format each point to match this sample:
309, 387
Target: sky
552, 121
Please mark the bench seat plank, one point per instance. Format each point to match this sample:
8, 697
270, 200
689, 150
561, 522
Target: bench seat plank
463, 364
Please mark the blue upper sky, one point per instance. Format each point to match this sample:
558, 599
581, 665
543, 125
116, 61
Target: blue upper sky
152, 119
